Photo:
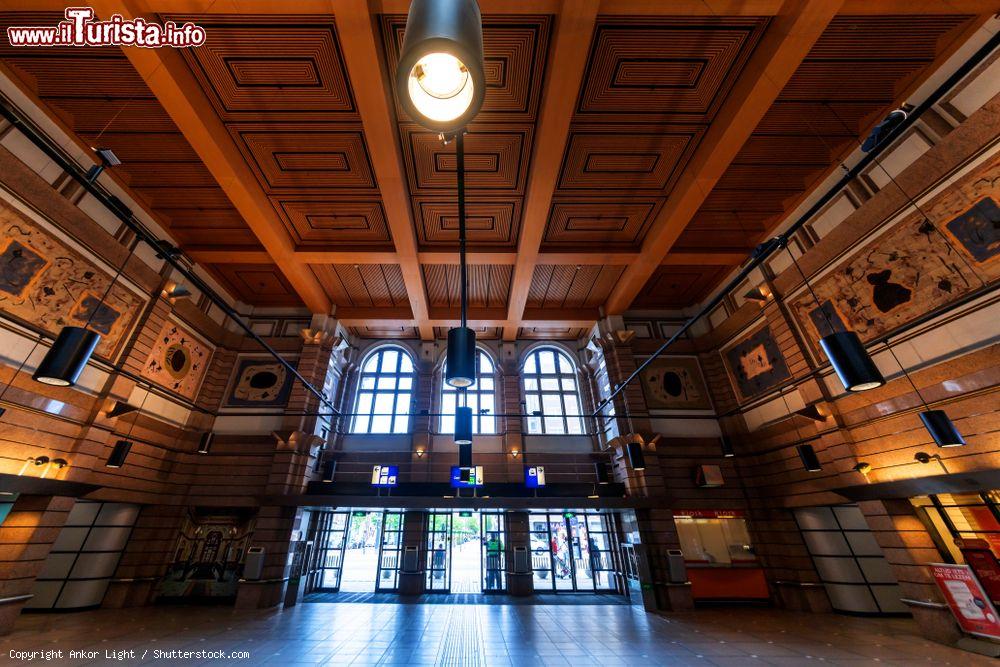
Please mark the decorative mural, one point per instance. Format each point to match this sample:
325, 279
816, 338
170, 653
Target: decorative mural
178, 360
208, 560
259, 382
45, 282
918, 265
675, 383
755, 364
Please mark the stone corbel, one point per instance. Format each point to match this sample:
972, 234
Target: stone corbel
299, 442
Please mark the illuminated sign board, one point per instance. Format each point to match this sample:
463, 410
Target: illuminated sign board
385, 475
475, 477
534, 476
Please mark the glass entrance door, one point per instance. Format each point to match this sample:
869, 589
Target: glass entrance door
390, 552
571, 551
494, 554
439, 552
329, 535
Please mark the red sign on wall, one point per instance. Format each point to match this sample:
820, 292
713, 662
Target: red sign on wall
980, 558
969, 603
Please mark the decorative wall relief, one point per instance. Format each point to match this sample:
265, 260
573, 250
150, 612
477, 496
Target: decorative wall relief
259, 382
755, 364
675, 383
178, 360
916, 266
45, 282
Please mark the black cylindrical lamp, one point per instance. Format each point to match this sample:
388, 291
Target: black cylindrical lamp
329, 470
119, 454
68, 356
465, 456
460, 370
809, 459
601, 472
205, 442
941, 428
635, 456
851, 361
440, 79
463, 426
727, 447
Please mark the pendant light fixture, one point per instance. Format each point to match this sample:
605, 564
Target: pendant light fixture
440, 79
808, 457
847, 354
461, 366
122, 447
69, 354
937, 422
463, 425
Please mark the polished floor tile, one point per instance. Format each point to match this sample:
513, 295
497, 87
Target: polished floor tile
311, 635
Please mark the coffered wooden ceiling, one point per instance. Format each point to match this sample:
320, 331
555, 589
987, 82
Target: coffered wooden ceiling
628, 153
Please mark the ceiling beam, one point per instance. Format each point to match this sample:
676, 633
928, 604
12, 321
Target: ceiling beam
695, 258
787, 42
607, 7
168, 77
573, 32
359, 41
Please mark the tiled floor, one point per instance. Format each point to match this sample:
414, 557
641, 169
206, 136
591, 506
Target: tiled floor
472, 598
365, 634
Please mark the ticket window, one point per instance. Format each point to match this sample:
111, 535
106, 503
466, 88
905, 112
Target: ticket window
714, 540
951, 516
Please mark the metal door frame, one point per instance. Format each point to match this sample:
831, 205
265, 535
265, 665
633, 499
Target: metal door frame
379, 588
483, 561
323, 527
449, 541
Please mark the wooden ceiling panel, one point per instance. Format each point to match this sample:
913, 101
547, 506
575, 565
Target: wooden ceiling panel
296, 157
580, 224
620, 159
272, 67
554, 333
664, 69
363, 285
489, 285
496, 160
386, 331
490, 224
482, 333
679, 286
564, 286
259, 284
515, 52
321, 221
108, 75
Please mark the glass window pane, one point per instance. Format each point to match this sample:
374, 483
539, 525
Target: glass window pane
402, 424
371, 364
488, 425
381, 424
486, 384
447, 424
361, 424
551, 404
554, 425
387, 383
531, 403
364, 402
547, 361
390, 359
572, 405
534, 425
485, 363
368, 383
575, 425
569, 384
405, 364
530, 365
550, 384
406, 383
384, 403
530, 384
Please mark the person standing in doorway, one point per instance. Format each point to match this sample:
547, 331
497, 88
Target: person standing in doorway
493, 549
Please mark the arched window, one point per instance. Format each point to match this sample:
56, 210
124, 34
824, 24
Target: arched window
481, 397
385, 388
551, 394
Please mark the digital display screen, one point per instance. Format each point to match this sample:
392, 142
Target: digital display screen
475, 477
385, 475
534, 476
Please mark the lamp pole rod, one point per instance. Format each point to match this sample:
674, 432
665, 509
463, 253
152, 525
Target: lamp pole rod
460, 171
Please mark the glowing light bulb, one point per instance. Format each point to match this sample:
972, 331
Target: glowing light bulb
440, 87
